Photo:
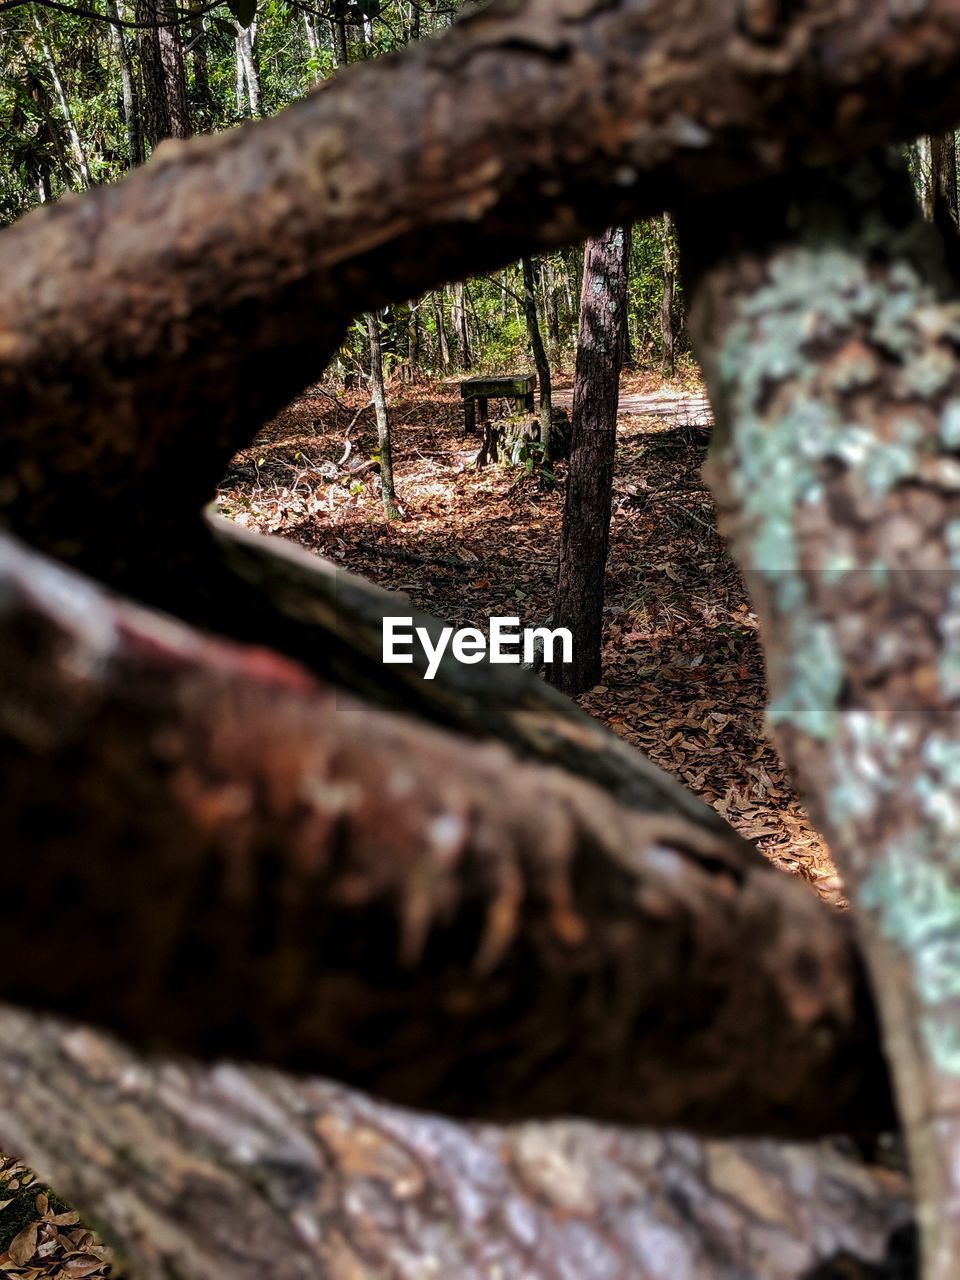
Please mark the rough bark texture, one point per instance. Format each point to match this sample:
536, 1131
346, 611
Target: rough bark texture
284, 873
942, 191
829, 341
578, 603
173, 314
230, 1174
166, 110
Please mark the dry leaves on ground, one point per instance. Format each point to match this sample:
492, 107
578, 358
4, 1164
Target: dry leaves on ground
683, 668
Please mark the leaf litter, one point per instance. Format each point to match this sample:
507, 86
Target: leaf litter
683, 671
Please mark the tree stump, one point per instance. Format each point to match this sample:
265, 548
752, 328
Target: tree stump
515, 439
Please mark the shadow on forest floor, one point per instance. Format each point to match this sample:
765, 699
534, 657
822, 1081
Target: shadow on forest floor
683, 670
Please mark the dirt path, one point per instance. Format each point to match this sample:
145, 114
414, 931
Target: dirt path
670, 405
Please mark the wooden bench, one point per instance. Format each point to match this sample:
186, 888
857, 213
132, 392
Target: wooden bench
478, 392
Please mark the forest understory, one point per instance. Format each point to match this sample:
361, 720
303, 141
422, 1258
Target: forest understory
683, 668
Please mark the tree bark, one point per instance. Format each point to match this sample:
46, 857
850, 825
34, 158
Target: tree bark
461, 326
80, 165
205, 1173
338, 39
286, 873
131, 116
174, 72
310, 34
132, 366
413, 340
379, 397
668, 359
578, 604
167, 112
248, 73
825, 322
552, 310
539, 358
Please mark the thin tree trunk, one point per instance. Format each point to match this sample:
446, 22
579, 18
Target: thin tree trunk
338, 36
552, 309
668, 359
131, 117
539, 358
379, 397
51, 131
413, 21
629, 359
310, 34
461, 326
586, 513
443, 344
80, 165
248, 73
201, 69
413, 340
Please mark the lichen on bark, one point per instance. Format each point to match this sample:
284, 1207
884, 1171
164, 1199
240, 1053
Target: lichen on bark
828, 331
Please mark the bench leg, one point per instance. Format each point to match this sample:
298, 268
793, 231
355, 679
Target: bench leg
470, 416
531, 401
484, 410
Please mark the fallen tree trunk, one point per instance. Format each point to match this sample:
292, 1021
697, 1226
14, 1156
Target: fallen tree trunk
205, 1173
148, 329
269, 591
282, 872
828, 330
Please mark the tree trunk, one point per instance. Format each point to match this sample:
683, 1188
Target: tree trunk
81, 168
942, 198
156, 113
824, 322
166, 109
413, 341
461, 326
443, 343
539, 359
552, 309
207, 1173
338, 35
174, 73
204, 96
434, 918
668, 359
248, 73
379, 397
310, 34
586, 512
131, 116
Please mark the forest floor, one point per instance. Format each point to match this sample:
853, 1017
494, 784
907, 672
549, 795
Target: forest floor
683, 671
